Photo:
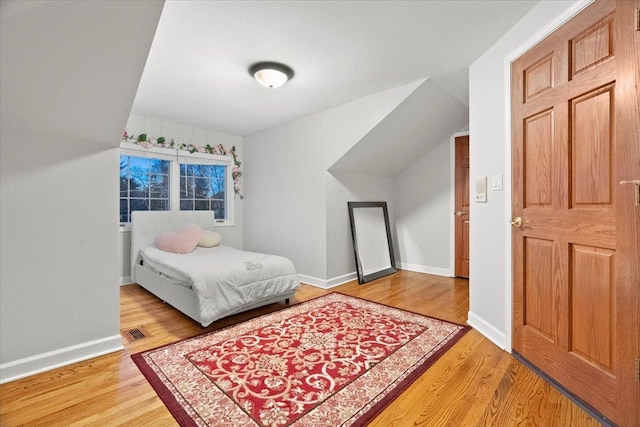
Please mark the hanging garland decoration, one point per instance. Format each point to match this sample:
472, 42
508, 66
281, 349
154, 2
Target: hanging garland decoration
143, 141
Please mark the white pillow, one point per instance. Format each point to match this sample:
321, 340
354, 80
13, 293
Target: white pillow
209, 239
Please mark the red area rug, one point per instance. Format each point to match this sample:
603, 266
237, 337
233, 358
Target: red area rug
333, 361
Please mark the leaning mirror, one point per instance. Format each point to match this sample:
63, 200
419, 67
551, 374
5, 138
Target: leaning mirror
371, 240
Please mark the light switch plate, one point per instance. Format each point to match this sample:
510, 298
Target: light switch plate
481, 189
496, 182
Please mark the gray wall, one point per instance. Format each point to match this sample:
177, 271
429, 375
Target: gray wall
343, 187
423, 212
311, 159
285, 208
67, 87
489, 149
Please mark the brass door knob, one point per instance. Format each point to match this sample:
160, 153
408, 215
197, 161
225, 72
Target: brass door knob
516, 222
460, 213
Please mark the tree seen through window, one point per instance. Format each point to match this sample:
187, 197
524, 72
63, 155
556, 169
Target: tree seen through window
203, 187
144, 185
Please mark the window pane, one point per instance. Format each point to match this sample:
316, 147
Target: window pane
124, 210
202, 187
183, 184
159, 186
139, 193
219, 195
124, 175
159, 166
139, 204
217, 189
218, 207
159, 205
139, 164
141, 180
201, 205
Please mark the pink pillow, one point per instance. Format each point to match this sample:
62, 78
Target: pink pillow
182, 241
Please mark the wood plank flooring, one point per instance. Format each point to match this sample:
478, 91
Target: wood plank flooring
473, 384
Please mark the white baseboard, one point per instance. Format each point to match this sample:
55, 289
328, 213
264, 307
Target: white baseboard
28, 366
313, 281
329, 283
489, 331
339, 280
436, 271
125, 280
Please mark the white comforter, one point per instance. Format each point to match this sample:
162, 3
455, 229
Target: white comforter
225, 278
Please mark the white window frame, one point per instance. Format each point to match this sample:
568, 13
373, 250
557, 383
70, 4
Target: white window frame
177, 157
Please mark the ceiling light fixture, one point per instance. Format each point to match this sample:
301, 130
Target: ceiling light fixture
271, 74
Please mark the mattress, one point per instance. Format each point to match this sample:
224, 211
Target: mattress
224, 278
173, 274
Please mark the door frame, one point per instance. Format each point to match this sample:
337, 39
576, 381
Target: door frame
572, 11
452, 198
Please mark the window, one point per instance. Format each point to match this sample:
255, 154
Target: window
203, 187
160, 179
144, 185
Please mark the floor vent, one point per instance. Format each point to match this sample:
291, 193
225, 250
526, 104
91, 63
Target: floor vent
135, 334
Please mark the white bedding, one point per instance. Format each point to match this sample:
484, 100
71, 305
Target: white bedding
224, 278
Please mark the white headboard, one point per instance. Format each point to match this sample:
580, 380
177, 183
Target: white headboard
145, 225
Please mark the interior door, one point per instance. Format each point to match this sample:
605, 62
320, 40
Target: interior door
575, 236
462, 206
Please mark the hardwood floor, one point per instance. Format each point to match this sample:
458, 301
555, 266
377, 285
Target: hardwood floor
473, 384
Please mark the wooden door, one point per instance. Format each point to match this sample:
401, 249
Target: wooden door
575, 235
462, 206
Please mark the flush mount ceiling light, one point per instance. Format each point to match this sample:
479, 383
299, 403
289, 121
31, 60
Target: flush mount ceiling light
271, 74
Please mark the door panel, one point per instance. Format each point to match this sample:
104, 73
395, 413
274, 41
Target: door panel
571, 259
591, 47
591, 148
592, 291
538, 261
538, 78
538, 144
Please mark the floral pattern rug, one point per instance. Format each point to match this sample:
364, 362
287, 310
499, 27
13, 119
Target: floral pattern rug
333, 361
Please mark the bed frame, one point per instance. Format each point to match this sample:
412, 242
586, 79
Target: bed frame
145, 225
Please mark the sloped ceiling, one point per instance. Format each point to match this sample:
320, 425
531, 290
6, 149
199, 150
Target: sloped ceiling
65, 73
425, 119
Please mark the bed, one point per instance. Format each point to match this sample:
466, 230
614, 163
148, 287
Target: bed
230, 281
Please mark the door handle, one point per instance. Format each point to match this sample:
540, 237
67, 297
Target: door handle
635, 182
460, 213
516, 222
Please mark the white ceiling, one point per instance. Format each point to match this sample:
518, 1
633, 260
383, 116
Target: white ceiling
197, 70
